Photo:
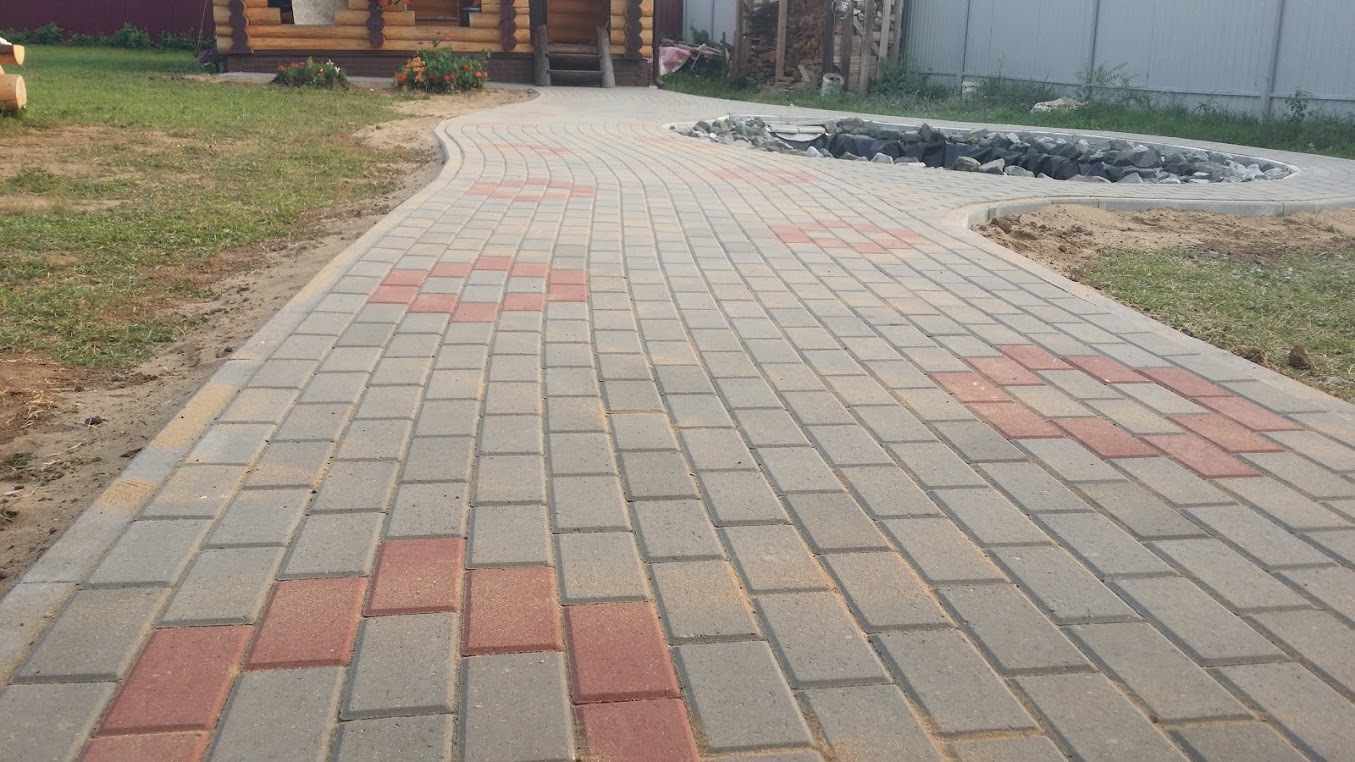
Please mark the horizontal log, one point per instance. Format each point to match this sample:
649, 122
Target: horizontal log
646, 22
455, 33
359, 18
619, 36
319, 48
248, 3
13, 93
222, 16
320, 34
12, 54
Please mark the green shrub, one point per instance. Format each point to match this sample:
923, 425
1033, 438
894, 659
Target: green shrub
44, 35
182, 41
438, 70
900, 78
311, 74
83, 41
131, 38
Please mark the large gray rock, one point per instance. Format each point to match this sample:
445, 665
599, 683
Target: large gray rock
966, 164
882, 158
1087, 179
1131, 178
993, 167
1015, 171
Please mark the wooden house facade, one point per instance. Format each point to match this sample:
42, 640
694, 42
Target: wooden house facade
373, 38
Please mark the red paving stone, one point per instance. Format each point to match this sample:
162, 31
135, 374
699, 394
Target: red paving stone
1249, 414
494, 263
394, 294
529, 269
157, 747
1185, 383
475, 312
1033, 357
571, 277
514, 610
567, 292
444, 303
1201, 456
417, 577
1108, 370
1005, 371
1226, 433
450, 270
524, 302
654, 731
180, 682
1105, 438
1016, 421
405, 278
616, 653
309, 623
971, 387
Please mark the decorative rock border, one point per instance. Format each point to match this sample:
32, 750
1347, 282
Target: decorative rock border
1057, 156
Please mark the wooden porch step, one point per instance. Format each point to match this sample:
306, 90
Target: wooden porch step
576, 77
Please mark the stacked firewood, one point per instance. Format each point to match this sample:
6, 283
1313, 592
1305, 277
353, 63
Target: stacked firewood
804, 38
13, 95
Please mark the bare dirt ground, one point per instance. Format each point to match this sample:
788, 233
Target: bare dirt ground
1064, 238
65, 433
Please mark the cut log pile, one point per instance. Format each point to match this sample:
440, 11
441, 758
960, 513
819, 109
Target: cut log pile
13, 94
804, 38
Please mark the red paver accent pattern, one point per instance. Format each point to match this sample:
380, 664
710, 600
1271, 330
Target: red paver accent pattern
450, 270
1108, 370
971, 387
309, 623
1201, 456
493, 263
1185, 383
1005, 371
1226, 433
1033, 357
405, 278
475, 312
1016, 421
654, 731
1105, 438
514, 610
571, 277
529, 269
394, 294
1249, 414
158, 747
617, 653
180, 682
565, 292
444, 303
417, 577
524, 302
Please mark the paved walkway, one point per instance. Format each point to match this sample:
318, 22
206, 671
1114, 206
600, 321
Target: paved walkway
614, 443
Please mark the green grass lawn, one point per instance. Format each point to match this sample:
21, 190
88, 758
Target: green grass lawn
1002, 102
124, 181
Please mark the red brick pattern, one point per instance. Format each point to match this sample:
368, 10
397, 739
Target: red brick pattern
1016, 421
1005, 371
1226, 433
180, 682
514, 610
475, 312
617, 653
1201, 456
405, 278
394, 294
417, 577
654, 731
532, 191
1249, 414
309, 623
443, 303
1033, 357
971, 387
1105, 438
524, 302
1108, 370
1185, 383
157, 747
404, 287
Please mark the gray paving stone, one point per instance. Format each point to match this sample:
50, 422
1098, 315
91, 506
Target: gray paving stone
50, 722
1340, 543
893, 423
835, 522
977, 442
195, 492
426, 736
1285, 505
1025, 749
657, 475
936, 466
517, 709
291, 464
800, 624
1134, 417
717, 450
1201, 626
1142, 513
1333, 585
701, 600
428, 509
356, 486
334, 545
1327, 643
1049, 401
509, 535
1250, 740
260, 517
675, 530
95, 638
588, 502
1319, 718
600, 566
511, 435
399, 399
849, 445
698, 411
1240, 583
1060, 584
1327, 452
1107, 549
1166, 680
770, 427
797, 469
631, 395
510, 479
941, 552
1259, 537
773, 559
296, 706
151, 553
888, 492
1033, 489
1070, 460
334, 387
314, 423
586, 453
1095, 720
231, 444
951, 682
574, 414
375, 439
226, 586
447, 418
869, 723
990, 517
883, 591
738, 698
1173, 482
1008, 627
403, 665
1160, 399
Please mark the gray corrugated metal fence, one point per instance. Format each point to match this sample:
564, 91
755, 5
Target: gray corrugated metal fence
1245, 55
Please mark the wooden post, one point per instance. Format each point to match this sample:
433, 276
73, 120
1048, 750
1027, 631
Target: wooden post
739, 10
508, 25
541, 55
376, 23
886, 24
844, 66
605, 57
829, 22
634, 30
782, 14
239, 29
867, 45
900, 30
